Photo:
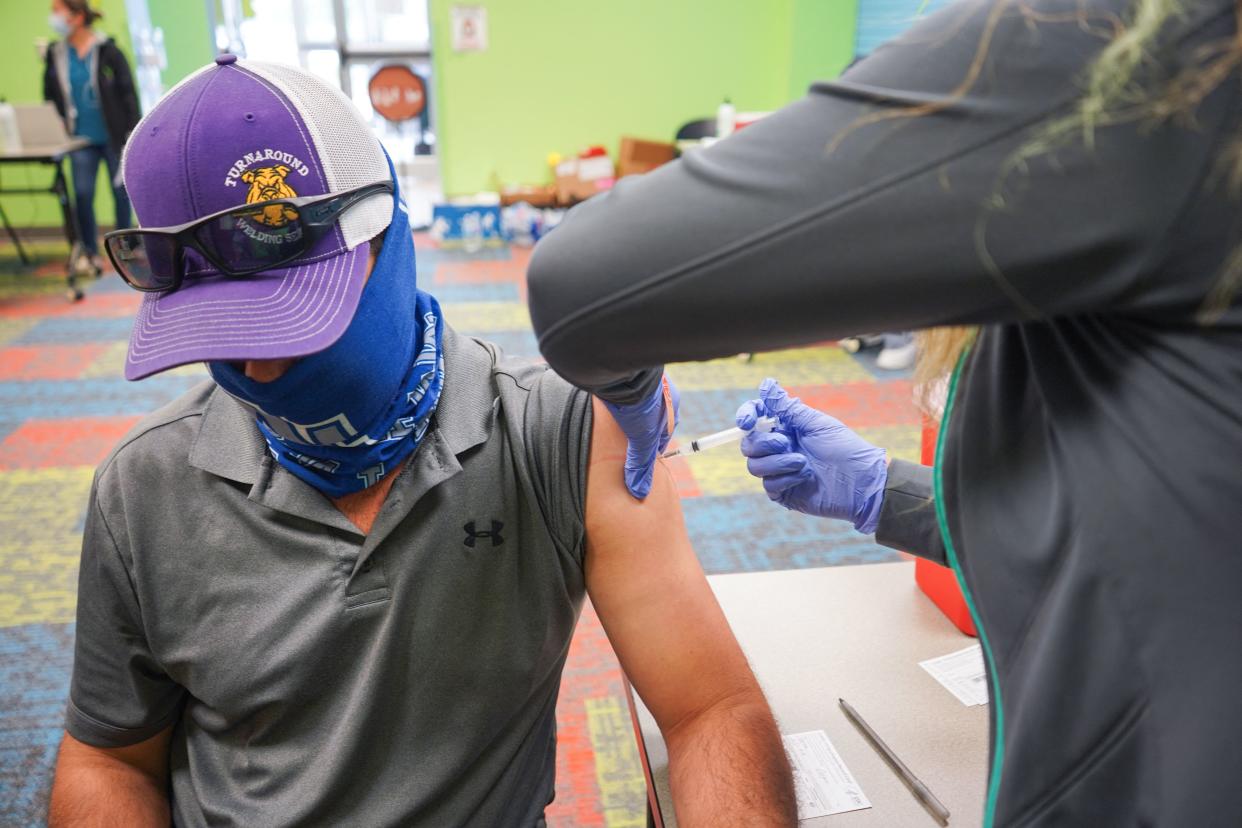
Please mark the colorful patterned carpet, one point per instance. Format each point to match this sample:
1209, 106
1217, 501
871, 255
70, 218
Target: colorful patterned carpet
63, 403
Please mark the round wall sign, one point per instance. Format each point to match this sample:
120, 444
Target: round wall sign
397, 92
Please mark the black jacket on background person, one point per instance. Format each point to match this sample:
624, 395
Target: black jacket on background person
1088, 491
113, 81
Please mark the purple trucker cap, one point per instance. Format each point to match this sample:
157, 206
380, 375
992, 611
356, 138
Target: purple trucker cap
238, 132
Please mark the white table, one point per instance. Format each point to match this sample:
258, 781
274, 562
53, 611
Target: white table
858, 633
54, 157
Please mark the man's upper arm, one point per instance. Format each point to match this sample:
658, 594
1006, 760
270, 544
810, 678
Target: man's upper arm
651, 594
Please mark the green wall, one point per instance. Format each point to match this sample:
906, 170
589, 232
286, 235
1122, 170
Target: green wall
558, 74
822, 37
187, 40
562, 74
21, 82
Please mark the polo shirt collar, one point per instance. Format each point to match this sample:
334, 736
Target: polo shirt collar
229, 444
467, 403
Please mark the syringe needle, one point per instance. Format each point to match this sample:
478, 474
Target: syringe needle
729, 435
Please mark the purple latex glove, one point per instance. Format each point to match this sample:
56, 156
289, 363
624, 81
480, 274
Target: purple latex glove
811, 462
648, 427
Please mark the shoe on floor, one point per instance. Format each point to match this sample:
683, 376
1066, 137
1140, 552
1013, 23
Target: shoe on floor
897, 359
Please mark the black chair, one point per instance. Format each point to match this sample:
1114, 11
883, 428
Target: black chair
694, 130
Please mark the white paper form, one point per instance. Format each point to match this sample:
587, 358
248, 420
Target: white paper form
824, 784
962, 674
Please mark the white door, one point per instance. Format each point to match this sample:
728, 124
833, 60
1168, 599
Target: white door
345, 42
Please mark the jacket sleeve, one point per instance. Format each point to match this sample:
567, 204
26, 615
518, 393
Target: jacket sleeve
123, 85
887, 200
51, 84
908, 514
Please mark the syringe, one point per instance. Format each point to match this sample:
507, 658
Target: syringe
729, 435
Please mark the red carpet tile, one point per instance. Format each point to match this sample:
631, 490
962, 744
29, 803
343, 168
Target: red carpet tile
47, 362
43, 444
591, 672
110, 305
863, 404
480, 272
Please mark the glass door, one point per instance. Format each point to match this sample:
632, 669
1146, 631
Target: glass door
346, 42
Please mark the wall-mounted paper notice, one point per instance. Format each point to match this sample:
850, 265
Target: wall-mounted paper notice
962, 674
824, 784
469, 28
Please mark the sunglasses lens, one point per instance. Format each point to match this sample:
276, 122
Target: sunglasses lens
250, 239
148, 261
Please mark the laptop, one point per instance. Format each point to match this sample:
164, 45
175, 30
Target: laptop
40, 126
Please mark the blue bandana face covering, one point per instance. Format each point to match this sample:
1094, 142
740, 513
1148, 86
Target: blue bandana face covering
341, 419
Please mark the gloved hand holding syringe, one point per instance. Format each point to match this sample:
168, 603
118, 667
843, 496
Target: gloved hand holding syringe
729, 435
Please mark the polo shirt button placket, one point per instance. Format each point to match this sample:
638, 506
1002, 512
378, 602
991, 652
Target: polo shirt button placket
368, 584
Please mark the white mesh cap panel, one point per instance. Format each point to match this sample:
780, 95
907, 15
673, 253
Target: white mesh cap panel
143, 121
349, 152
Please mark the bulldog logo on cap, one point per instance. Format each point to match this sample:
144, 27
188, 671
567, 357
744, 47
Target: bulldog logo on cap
268, 184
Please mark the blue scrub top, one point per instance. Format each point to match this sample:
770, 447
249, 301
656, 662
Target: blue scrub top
90, 121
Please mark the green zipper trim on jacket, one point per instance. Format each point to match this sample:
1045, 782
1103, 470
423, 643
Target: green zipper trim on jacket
998, 737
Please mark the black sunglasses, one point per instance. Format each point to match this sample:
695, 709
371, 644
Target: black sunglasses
239, 241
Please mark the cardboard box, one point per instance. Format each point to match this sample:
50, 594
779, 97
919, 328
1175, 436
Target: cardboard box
581, 178
534, 195
638, 156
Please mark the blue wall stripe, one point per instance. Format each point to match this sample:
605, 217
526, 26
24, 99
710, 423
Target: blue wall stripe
881, 20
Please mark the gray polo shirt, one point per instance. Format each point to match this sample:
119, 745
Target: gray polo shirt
316, 676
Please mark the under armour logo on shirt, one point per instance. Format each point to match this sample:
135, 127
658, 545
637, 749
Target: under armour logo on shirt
494, 534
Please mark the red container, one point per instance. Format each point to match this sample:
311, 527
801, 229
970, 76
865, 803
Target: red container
938, 582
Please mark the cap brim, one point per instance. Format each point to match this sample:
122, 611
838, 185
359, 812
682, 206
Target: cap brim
289, 312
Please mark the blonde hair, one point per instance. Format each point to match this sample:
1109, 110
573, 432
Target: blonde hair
1117, 91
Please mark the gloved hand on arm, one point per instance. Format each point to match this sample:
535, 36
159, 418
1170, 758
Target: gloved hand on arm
811, 462
648, 426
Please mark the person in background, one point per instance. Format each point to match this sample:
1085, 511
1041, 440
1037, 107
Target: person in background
1052, 187
88, 79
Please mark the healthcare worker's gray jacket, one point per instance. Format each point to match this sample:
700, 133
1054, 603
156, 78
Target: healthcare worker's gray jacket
1091, 471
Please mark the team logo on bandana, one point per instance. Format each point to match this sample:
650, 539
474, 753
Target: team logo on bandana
328, 466
334, 431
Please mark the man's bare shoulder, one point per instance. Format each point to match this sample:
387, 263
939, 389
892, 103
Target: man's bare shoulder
610, 506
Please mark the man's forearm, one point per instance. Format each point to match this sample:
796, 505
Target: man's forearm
727, 766
91, 791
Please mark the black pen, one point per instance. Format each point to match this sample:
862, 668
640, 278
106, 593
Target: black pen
920, 791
